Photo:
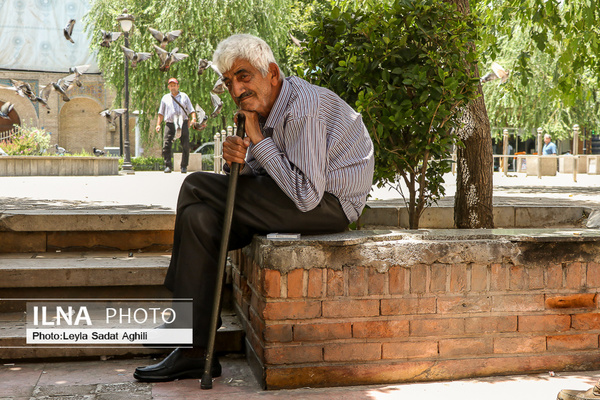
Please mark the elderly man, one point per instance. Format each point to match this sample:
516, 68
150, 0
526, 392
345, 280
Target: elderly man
307, 167
549, 147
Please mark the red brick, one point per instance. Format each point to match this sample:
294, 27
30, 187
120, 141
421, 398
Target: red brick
544, 323
350, 308
398, 279
439, 277
536, 277
458, 278
278, 333
499, 277
257, 324
418, 278
357, 281
554, 276
593, 275
491, 324
295, 283
579, 300
316, 278
520, 344
572, 342
479, 277
463, 304
271, 283
424, 305
292, 310
517, 277
414, 349
377, 282
293, 354
322, 331
437, 327
352, 352
585, 322
574, 273
467, 346
335, 283
518, 302
380, 329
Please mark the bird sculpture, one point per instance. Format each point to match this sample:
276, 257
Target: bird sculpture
108, 37
97, 152
61, 151
68, 31
204, 64
497, 73
78, 71
6, 109
61, 86
201, 118
217, 104
135, 57
111, 115
168, 58
165, 38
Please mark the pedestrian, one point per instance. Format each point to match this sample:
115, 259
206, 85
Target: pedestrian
174, 109
306, 166
549, 147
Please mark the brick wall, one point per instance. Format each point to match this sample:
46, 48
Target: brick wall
338, 310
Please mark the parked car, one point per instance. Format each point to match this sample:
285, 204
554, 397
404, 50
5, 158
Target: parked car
208, 153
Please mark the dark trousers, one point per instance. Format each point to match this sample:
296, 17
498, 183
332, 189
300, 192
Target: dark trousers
261, 207
168, 144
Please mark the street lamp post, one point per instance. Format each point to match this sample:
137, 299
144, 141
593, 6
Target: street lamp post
539, 151
575, 151
126, 21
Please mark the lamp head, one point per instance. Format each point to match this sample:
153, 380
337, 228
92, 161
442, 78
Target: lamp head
126, 21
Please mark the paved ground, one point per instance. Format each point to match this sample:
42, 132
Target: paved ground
112, 379
157, 189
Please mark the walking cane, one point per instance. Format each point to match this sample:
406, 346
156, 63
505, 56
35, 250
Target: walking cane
206, 382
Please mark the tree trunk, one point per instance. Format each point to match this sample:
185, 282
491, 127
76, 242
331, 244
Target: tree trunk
474, 181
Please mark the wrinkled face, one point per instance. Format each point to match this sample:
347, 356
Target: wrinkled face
250, 90
546, 139
174, 88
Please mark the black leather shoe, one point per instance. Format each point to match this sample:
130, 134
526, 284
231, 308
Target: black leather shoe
176, 366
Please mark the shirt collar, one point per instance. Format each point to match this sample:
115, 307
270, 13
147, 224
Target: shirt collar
275, 118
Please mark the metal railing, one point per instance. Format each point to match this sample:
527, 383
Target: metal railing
8, 134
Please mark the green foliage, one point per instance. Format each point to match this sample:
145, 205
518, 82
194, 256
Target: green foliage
145, 163
404, 66
27, 141
551, 48
204, 23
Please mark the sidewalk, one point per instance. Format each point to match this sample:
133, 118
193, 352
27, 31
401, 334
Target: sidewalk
113, 380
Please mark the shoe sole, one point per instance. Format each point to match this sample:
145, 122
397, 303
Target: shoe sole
193, 374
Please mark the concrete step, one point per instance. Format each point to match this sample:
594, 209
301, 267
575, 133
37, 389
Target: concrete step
129, 228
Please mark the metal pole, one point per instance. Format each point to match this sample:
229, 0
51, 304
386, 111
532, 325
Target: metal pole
206, 381
127, 167
575, 151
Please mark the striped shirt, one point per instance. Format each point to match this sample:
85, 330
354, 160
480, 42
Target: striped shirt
315, 143
169, 108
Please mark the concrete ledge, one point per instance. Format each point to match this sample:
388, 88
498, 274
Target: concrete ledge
372, 307
58, 166
384, 213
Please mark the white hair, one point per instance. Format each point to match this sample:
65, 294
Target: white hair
248, 47
547, 136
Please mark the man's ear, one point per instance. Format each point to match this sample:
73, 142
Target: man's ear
275, 73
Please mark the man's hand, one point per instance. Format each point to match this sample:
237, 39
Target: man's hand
252, 127
234, 149
157, 128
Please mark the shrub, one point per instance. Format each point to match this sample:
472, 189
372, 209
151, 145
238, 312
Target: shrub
27, 141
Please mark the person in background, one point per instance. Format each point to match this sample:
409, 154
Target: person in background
549, 147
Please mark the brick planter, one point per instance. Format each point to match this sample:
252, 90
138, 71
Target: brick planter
57, 166
382, 307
